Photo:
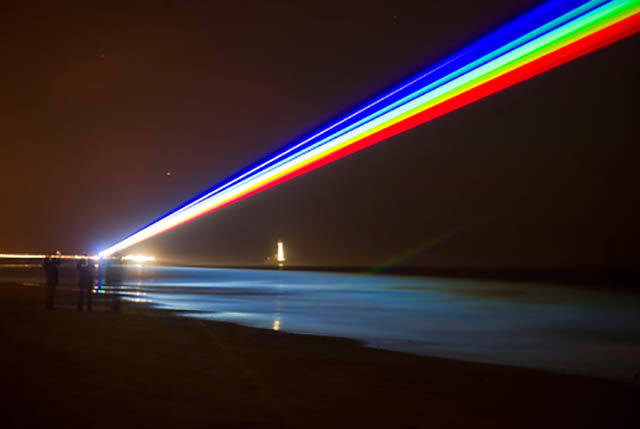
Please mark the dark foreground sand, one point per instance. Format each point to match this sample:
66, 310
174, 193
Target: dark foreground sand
149, 368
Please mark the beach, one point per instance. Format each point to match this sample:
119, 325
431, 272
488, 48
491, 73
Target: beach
148, 367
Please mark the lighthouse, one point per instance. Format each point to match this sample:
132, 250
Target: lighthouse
280, 254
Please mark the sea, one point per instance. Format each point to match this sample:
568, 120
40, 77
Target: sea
574, 329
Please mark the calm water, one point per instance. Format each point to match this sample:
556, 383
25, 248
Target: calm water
554, 327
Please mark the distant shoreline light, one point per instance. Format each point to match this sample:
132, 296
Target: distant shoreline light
548, 36
21, 256
42, 256
138, 258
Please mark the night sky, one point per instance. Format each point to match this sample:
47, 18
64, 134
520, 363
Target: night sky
100, 102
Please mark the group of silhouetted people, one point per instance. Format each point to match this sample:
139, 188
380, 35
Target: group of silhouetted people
86, 276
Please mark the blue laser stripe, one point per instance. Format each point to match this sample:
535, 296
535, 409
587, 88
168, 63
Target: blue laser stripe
506, 49
479, 49
512, 29
543, 11
308, 142
514, 45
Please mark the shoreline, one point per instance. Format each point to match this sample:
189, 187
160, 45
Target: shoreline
591, 277
261, 378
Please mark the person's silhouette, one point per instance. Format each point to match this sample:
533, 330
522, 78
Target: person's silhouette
85, 282
50, 265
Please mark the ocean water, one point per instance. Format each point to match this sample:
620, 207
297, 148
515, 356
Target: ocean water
555, 327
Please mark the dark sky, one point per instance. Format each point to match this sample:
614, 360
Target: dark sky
100, 101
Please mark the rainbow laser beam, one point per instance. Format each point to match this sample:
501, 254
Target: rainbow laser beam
548, 36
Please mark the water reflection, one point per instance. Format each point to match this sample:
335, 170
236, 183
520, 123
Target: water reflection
554, 327
278, 309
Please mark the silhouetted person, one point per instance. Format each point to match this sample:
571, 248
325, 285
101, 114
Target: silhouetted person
85, 282
50, 266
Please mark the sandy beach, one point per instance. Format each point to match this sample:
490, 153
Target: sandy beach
146, 367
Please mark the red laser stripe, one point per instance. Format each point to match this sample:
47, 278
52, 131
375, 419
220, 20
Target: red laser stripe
554, 59
582, 47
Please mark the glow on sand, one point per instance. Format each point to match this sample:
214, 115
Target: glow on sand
546, 37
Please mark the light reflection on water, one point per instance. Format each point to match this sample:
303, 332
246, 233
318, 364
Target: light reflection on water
554, 327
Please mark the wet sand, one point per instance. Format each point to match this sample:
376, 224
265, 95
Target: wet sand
151, 368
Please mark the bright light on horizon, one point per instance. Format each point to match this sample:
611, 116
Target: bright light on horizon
280, 257
138, 258
21, 256
42, 256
